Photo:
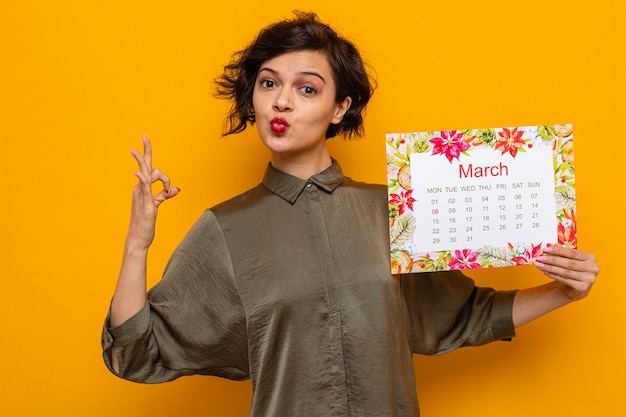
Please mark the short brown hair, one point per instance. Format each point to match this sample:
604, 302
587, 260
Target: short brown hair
304, 32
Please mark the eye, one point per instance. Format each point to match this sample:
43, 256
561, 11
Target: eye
308, 90
267, 83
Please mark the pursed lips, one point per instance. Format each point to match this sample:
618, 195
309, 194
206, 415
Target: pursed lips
279, 125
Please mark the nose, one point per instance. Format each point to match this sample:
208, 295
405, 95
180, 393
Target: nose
283, 100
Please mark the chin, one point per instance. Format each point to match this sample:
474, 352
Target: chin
277, 144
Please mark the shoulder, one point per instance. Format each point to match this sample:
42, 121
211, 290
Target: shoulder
209, 222
365, 189
350, 182
241, 201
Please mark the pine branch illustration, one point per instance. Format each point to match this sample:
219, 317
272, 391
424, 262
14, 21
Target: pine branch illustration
565, 197
494, 256
402, 230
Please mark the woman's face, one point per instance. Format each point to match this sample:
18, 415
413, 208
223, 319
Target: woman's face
294, 103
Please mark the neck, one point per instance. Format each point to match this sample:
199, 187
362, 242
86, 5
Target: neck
302, 166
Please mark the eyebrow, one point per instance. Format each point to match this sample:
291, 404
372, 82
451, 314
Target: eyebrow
313, 73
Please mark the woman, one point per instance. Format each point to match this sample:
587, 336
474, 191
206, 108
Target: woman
288, 284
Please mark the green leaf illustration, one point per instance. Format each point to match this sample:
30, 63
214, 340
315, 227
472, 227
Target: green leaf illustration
565, 196
487, 136
546, 132
492, 256
402, 230
421, 146
563, 168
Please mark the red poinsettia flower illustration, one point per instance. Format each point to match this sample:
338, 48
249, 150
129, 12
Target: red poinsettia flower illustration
566, 230
403, 200
464, 259
510, 141
450, 144
529, 256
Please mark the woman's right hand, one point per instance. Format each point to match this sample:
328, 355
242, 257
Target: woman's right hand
130, 292
144, 204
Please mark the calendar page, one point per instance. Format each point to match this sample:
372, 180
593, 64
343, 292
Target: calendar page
479, 198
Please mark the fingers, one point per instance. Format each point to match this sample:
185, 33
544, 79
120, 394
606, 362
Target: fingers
148, 175
164, 195
574, 268
157, 175
167, 192
145, 165
143, 174
568, 252
144, 161
147, 151
568, 259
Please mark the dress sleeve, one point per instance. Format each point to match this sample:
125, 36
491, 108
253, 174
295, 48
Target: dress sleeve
193, 322
446, 310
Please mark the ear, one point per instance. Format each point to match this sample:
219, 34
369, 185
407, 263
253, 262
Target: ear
341, 109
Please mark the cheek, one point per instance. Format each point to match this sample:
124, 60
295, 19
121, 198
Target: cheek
257, 99
254, 102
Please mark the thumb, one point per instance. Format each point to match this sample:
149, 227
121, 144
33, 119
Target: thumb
165, 195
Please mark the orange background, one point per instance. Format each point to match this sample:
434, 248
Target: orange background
81, 81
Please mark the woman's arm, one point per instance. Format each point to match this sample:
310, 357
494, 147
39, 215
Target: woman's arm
130, 292
574, 272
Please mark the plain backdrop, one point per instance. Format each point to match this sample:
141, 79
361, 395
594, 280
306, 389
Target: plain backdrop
80, 81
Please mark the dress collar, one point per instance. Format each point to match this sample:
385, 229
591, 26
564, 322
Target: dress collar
289, 187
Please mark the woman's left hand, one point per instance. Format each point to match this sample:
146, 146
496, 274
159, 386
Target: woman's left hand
574, 269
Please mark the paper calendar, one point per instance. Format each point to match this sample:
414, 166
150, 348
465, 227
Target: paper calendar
479, 198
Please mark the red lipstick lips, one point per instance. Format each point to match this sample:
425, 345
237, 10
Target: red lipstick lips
279, 125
